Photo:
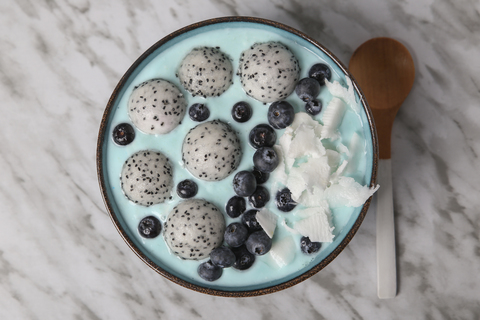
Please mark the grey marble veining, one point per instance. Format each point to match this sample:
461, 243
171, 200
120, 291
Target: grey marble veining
60, 255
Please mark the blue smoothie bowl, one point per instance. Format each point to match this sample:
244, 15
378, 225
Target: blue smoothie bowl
233, 35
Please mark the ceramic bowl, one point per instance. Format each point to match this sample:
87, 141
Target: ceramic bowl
232, 35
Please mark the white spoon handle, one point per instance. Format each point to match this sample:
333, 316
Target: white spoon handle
386, 264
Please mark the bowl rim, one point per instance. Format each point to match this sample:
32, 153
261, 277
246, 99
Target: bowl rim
216, 292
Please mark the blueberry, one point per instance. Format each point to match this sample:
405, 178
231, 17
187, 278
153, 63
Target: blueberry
260, 197
244, 183
187, 189
235, 234
235, 206
308, 246
284, 200
123, 134
208, 271
222, 257
244, 259
280, 114
249, 219
262, 135
198, 112
313, 107
258, 243
307, 89
260, 176
265, 159
149, 227
241, 112
320, 72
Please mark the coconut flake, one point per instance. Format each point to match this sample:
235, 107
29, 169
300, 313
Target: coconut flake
316, 171
341, 148
267, 220
296, 184
283, 251
306, 175
347, 192
303, 118
284, 143
316, 226
336, 89
280, 173
306, 142
356, 147
333, 158
347, 94
332, 117
313, 197
336, 175
302, 137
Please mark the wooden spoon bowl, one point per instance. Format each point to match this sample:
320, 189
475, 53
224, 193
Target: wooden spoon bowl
384, 69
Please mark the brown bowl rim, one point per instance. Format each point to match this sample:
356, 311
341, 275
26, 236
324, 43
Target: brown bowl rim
216, 292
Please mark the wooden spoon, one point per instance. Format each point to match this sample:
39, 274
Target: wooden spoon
385, 72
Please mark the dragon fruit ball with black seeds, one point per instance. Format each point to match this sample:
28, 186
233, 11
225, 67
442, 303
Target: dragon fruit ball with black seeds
211, 151
147, 178
193, 229
156, 106
268, 71
206, 72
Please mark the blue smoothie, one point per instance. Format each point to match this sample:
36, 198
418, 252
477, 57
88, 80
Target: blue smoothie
232, 38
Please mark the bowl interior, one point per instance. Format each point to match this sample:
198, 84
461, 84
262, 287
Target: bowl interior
232, 35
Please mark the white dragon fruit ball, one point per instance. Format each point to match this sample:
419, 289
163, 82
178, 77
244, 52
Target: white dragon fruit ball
193, 229
268, 71
206, 72
211, 151
146, 178
156, 106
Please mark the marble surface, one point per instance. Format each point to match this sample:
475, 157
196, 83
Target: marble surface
60, 255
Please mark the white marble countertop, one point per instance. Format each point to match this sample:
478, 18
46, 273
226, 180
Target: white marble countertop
62, 258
